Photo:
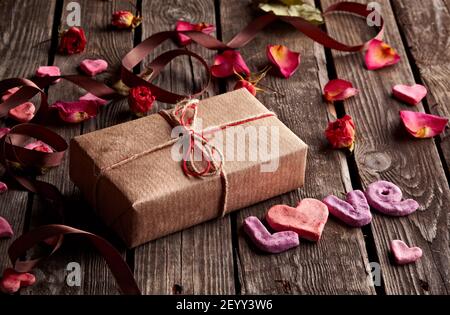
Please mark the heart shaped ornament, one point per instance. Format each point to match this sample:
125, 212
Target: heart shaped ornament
403, 254
93, 67
12, 281
23, 113
49, 71
5, 229
411, 95
307, 219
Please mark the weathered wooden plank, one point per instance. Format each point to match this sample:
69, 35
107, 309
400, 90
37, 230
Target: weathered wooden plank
24, 46
385, 151
427, 33
337, 263
109, 45
198, 260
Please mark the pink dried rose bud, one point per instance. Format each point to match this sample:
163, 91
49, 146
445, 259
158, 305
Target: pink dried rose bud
250, 83
23, 113
92, 97
4, 132
125, 19
72, 41
76, 112
12, 281
9, 93
140, 100
339, 90
421, 125
6, 230
380, 55
39, 145
3, 187
49, 71
228, 63
341, 133
184, 40
285, 61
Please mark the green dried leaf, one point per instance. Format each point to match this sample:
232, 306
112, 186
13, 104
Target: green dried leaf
305, 11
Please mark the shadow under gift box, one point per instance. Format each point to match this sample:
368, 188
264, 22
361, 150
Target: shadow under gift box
150, 196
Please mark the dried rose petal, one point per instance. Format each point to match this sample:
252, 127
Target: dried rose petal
339, 90
9, 93
380, 55
39, 145
421, 125
228, 63
4, 132
341, 133
92, 97
75, 112
125, 19
23, 112
284, 60
5, 228
184, 40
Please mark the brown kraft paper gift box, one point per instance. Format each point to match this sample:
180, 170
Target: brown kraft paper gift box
150, 196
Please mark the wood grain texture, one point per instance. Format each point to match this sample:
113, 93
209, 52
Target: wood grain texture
425, 28
337, 263
198, 260
23, 47
385, 151
111, 45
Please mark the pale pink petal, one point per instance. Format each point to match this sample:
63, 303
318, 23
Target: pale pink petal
92, 97
409, 94
48, 71
4, 132
9, 93
186, 26
284, 60
339, 90
75, 112
23, 113
228, 63
422, 125
39, 145
5, 228
380, 55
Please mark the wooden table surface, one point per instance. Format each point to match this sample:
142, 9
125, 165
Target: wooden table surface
215, 257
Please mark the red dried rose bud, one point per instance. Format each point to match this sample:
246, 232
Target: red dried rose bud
140, 100
246, 85
73, 41
341, 133
125, 19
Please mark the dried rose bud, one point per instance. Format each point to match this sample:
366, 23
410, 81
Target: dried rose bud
125, 19
140, 100
3, 188
246, 85
341, 133
73, 41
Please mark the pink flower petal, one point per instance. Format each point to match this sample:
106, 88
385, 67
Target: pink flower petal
92, 97
9, 93
4, 132
48, 71
23, 113
75, 112
39, 145
184, 40
409, 94
227, 63
284, 60
421, 125
3, 187
5, 228
380, 55
339, 90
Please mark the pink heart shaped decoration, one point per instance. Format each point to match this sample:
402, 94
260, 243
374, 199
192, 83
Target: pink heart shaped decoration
409, 94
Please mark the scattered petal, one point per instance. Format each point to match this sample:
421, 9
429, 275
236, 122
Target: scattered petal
12, 281
4, 132
5, 228
421, 125
39, 145
93, 67
285, 61
411, 95
184, 40
125, 19
9, 93
339, 90
380, 55
48, 71
23, 113
75, 112
341, 133
92, 97
228, 63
